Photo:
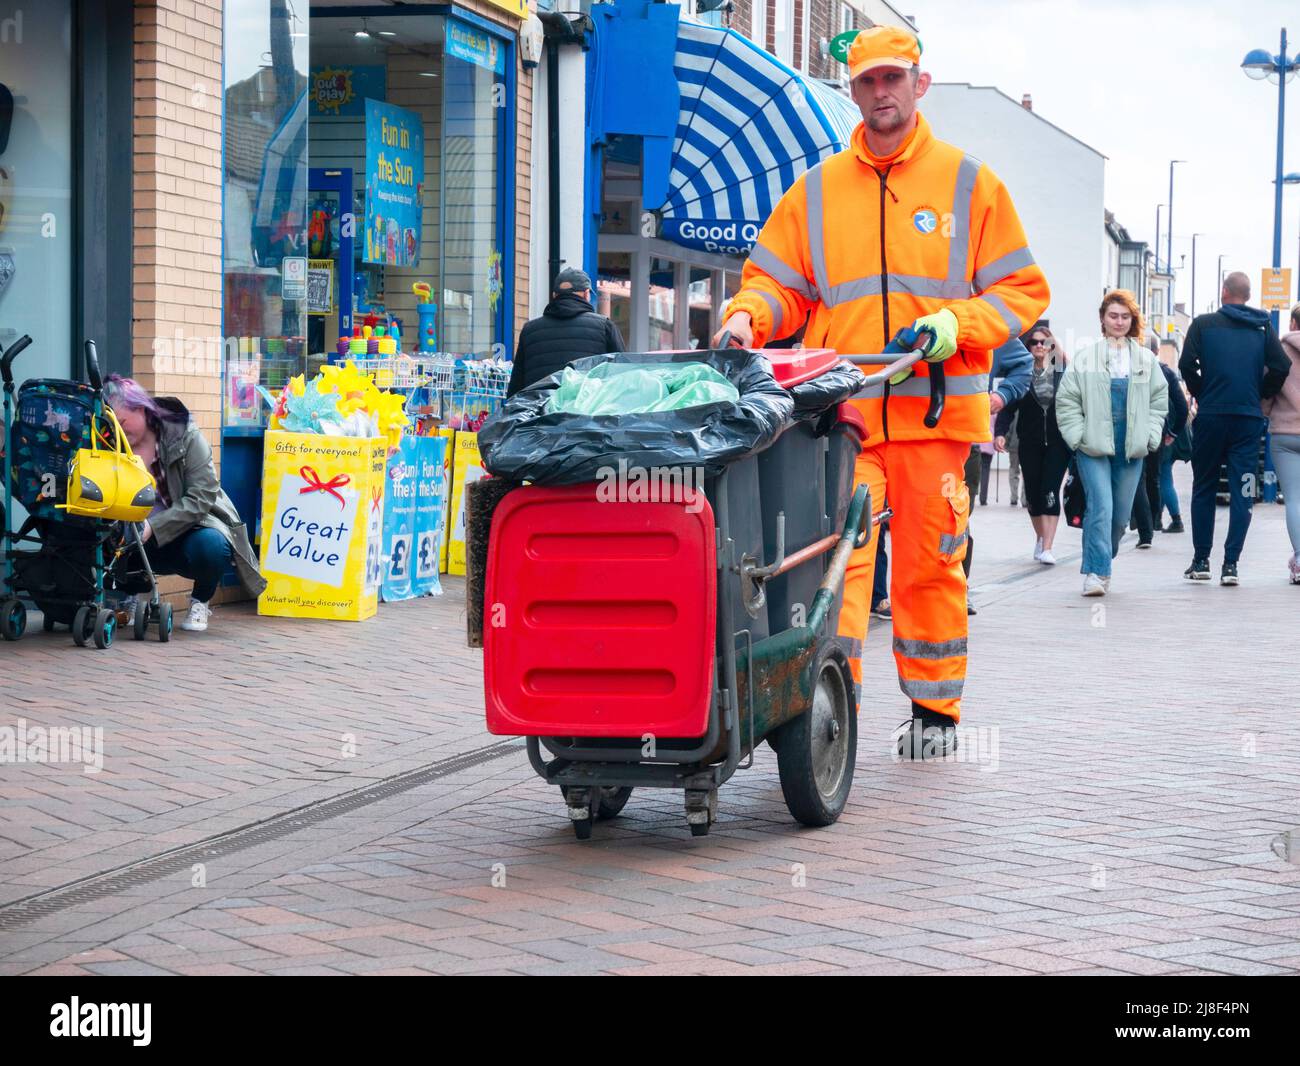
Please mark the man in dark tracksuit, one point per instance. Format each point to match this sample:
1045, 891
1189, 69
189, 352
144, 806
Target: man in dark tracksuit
568, 329
1231, 359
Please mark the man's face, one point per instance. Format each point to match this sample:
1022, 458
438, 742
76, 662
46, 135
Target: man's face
887, 97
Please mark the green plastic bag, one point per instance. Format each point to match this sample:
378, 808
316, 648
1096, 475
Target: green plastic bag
624, 389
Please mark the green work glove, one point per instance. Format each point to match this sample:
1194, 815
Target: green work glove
942, 326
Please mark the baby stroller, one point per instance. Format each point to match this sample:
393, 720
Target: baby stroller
76, 559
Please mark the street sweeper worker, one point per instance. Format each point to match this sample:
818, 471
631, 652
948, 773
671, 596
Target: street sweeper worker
901, 229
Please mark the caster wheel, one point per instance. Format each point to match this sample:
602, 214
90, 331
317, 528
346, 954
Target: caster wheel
165, 622
582, 829
612, 801
82, 624
48, 624
141, 628
818, 749
13, 619
699, 829
105, 628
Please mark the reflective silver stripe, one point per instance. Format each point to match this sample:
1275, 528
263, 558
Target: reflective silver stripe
910, 284
996, 302
769, 262
948, 543
962, 196
777, 314
850, 646
816, 230
932, 690
930, 649
990, 274
957, 385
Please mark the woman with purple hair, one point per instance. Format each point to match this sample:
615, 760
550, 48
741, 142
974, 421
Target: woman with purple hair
194, 529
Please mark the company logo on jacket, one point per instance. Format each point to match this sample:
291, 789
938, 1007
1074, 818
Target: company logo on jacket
925, 219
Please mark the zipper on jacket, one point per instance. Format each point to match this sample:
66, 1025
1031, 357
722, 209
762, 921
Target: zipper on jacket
884, 290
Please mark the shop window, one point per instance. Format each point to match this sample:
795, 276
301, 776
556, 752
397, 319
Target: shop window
264, 204
36, 187
614, 290
699, 301
662, 304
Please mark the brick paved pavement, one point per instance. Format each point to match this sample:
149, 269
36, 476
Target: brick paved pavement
1144, 763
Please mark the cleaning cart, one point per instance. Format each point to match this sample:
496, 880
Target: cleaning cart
655, 642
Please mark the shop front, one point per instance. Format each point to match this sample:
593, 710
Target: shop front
689, 173
369, 177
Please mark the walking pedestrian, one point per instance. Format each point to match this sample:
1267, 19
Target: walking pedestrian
1147, 503
568, 329
899, 199
1043, 450
1232, 360
1283, 412
1111, 409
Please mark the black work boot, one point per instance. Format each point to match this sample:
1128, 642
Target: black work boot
929, 735
1175, 525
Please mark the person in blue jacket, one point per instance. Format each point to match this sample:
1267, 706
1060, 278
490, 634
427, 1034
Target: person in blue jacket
1011, 365
1232, 359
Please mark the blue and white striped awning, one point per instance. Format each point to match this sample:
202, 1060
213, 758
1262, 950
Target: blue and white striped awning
747, 128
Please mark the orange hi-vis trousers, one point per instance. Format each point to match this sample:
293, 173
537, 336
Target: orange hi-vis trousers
923, 481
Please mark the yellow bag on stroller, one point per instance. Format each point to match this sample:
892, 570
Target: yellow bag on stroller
110, 484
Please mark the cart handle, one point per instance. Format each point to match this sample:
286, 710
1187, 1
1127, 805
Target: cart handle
6, 360
92, 367
908, 350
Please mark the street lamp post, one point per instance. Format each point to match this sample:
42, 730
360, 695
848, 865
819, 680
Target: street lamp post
1159, 208
1169, 219
1220, 275
1258, 65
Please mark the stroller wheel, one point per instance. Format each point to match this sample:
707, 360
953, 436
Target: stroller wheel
48, 623
141, 628
82, 624
13, 619
164, 622
105, 628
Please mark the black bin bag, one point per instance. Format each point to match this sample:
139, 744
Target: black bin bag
523, 442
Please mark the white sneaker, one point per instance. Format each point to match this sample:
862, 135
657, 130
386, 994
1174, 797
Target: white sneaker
1046, 557
1105, 583
1294, 567
1038, 549
1094, 585
197, 620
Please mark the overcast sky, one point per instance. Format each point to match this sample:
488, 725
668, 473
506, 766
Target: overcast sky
1145, 82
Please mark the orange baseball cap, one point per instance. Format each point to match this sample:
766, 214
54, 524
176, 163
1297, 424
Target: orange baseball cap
883, 46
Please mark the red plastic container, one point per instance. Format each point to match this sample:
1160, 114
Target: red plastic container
617, 602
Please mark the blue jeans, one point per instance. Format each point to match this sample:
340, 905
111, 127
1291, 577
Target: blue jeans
201, 554
1109, 484
1168, 497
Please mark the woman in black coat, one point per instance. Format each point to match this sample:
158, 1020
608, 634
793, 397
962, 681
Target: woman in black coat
1043, 453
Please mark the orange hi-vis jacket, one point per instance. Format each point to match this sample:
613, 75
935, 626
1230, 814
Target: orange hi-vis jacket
868, 246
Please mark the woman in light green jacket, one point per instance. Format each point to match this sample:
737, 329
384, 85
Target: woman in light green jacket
1111, 411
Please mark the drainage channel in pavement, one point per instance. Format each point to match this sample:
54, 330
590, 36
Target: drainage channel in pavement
110, 882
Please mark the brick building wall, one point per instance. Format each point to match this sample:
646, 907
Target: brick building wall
823, 24
177, 200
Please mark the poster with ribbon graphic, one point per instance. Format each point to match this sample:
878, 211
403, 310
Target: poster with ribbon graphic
414, 512
322, 512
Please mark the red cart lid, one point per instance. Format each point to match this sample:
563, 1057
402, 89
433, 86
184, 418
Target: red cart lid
794, 366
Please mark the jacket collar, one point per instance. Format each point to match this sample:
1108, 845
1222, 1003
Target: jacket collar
916, 146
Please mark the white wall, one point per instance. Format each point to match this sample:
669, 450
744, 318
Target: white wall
573, 159
1057, 184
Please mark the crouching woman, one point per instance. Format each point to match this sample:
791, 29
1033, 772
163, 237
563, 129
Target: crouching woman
194, 530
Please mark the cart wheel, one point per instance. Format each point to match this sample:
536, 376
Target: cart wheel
105, 628
699, 829
47, 623
164, 622
141, 628
82, 623
818, 749
582, 829
612, 801
13, 619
